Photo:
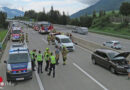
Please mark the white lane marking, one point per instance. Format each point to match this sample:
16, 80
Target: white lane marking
45, 40
39, 81
84, 49
90, 76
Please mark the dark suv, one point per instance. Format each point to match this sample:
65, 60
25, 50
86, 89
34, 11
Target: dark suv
114, 61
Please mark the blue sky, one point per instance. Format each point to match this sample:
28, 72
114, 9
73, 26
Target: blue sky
69, 6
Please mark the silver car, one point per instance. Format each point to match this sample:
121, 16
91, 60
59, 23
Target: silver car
113, 44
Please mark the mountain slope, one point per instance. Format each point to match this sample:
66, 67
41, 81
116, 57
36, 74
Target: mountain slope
106, 5
11, 13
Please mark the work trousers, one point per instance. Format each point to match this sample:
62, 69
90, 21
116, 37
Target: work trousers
40, 66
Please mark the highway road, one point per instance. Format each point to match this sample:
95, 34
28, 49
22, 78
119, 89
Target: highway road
78, 74
97, 38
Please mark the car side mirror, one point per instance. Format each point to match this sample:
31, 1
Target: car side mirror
5, 62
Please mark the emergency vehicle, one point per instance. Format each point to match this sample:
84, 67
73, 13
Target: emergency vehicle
18, 65
46, 27
16, 33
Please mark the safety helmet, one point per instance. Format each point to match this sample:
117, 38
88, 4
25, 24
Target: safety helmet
47, 48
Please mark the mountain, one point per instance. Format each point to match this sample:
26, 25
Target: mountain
106, 5
11, 13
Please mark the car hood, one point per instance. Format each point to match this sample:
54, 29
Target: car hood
67, 44
124, 54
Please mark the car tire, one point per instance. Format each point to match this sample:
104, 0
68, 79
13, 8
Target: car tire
112, 69
93, 61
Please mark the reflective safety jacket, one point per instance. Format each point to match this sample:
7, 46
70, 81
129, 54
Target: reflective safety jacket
53, 60
39, 57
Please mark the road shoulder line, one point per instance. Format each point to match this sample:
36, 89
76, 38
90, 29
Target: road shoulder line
90, 76
39, 81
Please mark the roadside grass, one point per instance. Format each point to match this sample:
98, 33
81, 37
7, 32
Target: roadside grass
2, 34
112, 30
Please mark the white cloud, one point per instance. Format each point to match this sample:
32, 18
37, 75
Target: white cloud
26, 0
66, 5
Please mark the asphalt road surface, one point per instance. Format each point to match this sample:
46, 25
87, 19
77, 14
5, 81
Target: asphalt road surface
78, 74
97, 38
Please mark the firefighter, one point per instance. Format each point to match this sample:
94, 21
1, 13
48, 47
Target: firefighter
64, 55
47, 57
52, 39
22, 37
54, 31
27, 38
52, 65
49, 39
57, 53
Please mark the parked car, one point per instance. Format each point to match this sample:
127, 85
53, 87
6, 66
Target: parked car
15, 33
114, 61
18, 65
113, 44
63, 40
74, 31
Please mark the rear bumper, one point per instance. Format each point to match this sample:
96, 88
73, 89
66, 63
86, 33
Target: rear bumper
14, 77
44, 31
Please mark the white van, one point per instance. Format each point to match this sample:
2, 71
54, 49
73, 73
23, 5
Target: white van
82, 30
63, 40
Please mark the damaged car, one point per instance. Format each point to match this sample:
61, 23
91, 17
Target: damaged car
114, 61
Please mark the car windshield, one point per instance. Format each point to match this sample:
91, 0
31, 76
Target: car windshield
16, 31
18, 58
65, 40
112, 55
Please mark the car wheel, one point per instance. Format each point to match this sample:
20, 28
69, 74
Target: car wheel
93, 61
112, 69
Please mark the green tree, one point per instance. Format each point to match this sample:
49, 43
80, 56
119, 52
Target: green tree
3, 23
125, 9
94, 14
31, 14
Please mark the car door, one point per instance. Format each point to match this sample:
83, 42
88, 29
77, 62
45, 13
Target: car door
98, 58
105, 60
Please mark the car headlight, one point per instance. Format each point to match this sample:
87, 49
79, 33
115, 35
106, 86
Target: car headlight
120, 67
8, 68
29, 68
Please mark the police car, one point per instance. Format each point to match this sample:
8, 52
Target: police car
15, 33
19, 63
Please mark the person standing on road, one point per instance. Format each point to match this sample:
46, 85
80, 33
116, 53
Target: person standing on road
22, 37
128, 70
52, 65
47, 59
27, 38
64, 55
47, 51
57, 53
40, 61
33, 57
48, 39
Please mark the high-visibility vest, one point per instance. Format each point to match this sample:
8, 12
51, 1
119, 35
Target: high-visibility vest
39, 57
46, 58
31, 54
53, 60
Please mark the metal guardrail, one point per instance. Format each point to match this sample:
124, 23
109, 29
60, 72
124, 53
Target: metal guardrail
4, 42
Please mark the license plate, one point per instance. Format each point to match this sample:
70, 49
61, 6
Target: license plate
19, 78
